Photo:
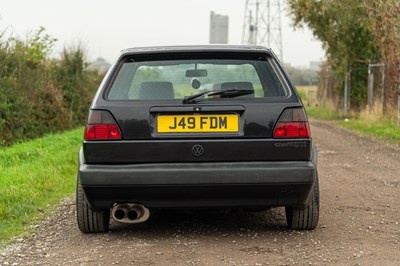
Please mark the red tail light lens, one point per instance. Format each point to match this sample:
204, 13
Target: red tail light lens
292, 124
101, 126
292, 130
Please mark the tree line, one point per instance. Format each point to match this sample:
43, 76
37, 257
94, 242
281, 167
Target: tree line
354, 35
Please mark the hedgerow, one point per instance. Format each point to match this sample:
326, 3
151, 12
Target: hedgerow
39, 94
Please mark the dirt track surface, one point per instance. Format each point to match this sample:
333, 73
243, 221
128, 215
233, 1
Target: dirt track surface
359, 223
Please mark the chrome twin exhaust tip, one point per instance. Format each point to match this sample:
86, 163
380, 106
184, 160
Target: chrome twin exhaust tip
130, 213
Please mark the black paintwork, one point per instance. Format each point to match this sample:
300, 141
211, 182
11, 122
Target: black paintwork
142, 145
215, 150
260, 195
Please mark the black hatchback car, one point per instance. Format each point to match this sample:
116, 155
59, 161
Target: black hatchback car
196, 126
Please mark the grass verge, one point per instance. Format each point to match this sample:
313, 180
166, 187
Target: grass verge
369, 124
324, 113
34, 175
383, 130
377, 128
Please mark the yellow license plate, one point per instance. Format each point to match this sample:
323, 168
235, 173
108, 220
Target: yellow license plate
197, 123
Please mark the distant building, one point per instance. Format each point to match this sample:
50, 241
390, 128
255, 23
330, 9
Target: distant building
100, 64
219, 26
315, 65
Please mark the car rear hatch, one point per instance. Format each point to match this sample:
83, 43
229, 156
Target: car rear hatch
165, 129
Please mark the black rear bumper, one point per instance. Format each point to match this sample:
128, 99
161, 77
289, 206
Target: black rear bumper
238, 184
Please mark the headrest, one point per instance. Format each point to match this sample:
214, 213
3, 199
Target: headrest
156, 90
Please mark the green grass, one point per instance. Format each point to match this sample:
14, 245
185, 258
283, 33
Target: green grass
365, 124
324, 113
382, 130
302, 94
368, 126
33, 176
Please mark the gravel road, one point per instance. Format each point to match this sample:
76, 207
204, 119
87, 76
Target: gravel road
359, 223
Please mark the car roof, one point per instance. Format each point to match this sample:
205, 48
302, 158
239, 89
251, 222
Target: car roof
198, 48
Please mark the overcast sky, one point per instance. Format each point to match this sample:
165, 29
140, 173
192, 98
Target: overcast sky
106, 26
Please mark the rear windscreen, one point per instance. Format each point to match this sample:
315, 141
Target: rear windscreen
176, 79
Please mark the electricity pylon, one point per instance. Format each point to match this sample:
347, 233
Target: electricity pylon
262, 24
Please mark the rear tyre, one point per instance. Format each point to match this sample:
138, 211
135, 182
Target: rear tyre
305, 219
90, 221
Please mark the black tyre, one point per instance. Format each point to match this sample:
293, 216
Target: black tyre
90, 221
305, 219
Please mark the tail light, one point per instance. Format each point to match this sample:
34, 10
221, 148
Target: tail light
101, 126
293, 123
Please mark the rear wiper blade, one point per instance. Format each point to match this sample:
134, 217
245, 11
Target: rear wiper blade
229, 93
